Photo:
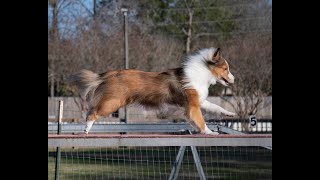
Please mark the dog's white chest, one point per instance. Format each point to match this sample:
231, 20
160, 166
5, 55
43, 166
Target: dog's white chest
203, 93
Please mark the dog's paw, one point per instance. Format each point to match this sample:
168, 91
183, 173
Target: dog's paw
214, 133
228, 113
208, 131
86, 132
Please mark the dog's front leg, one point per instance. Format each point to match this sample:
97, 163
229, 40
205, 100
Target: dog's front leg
215, 108
193, 112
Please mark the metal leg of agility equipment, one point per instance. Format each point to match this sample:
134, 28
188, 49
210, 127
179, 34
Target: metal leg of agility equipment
177, 164
198, 163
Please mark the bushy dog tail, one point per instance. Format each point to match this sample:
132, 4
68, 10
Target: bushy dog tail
86, 82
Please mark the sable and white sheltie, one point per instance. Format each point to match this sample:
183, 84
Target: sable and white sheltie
186, 87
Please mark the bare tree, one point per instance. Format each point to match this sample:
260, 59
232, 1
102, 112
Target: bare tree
189, 32
53, 37
251, 64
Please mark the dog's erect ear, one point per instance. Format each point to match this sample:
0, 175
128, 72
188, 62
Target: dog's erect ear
216, 54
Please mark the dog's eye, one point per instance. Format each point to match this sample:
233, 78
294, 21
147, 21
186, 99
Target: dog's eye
225, 68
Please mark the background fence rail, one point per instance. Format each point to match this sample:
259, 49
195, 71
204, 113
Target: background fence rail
263, 126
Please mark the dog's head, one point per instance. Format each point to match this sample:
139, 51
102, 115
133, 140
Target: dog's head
219, 67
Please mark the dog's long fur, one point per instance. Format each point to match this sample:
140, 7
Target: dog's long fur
186, 87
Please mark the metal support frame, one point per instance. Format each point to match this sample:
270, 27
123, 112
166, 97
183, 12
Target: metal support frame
198, 163
115, 140
177, 164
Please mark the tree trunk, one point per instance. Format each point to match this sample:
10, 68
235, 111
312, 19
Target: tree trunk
189, 33
54, 30
94, 8
54, 36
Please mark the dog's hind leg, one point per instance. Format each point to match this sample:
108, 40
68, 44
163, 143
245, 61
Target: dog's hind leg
91, 117
193, 112
104, 108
